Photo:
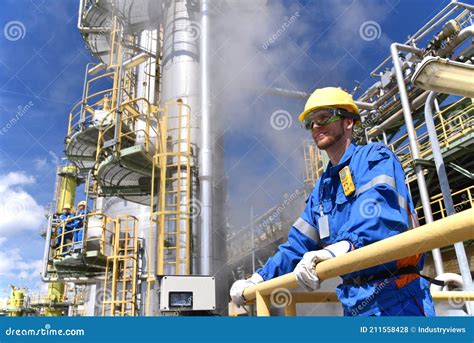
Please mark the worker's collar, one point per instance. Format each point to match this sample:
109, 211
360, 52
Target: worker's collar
343, 161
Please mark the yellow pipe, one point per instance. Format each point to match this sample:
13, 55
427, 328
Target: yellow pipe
67, 190
441, 233
15, 302
56, 291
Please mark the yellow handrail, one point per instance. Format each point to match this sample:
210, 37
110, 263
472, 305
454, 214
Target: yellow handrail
65, 245
458, 206
447, 231
449, 129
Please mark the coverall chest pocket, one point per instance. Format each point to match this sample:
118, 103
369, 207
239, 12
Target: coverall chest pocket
326, 204
342, 208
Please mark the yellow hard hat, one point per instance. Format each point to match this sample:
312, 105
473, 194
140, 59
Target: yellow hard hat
82, 203
66, 206
329, 97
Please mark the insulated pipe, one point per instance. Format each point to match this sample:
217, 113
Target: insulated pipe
415, 153
206, 177
443, 232
447, 278
446, 191
459, 39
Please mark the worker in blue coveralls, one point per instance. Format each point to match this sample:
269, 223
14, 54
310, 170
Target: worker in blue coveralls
67, 225
361, 198
79, 225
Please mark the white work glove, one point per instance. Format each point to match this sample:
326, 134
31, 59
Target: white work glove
238, 287
304, 270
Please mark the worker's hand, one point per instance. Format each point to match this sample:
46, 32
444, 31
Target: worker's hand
237, 289
304, 271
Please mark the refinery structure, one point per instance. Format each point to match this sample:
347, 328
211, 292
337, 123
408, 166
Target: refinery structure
143, 145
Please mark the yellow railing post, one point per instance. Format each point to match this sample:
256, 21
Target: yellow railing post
290, 308
263, 304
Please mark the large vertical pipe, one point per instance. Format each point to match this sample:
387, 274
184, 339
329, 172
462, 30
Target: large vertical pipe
181, 81
206, 147
445, 190
415, 153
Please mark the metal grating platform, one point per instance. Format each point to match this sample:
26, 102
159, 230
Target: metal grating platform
79, 265
81, 148
128, 176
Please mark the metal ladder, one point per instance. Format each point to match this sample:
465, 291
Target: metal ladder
121, 275
174, 205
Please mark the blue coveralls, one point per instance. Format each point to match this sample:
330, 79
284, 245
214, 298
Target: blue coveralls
79, 226
68, 227
380, 207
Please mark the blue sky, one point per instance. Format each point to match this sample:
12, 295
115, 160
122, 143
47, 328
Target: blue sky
41, 71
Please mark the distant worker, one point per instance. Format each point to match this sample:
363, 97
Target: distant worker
63, 238
360, 199
78, 236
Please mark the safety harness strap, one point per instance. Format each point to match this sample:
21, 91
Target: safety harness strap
362, 280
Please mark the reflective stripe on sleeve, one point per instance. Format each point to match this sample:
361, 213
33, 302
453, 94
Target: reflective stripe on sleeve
306, 229
383, 180
378, 180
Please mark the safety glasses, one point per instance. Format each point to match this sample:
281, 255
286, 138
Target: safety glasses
323, 117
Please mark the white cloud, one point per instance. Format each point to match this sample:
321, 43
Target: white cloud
40, 163
16, 269
19, 211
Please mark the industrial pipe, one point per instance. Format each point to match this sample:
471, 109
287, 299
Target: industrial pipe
417, 102
459, 39
45, 277
428, 27
415, 153
443, 232
206, 176
446, 192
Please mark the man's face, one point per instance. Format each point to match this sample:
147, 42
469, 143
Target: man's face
66, 210
326, 136
81, 208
